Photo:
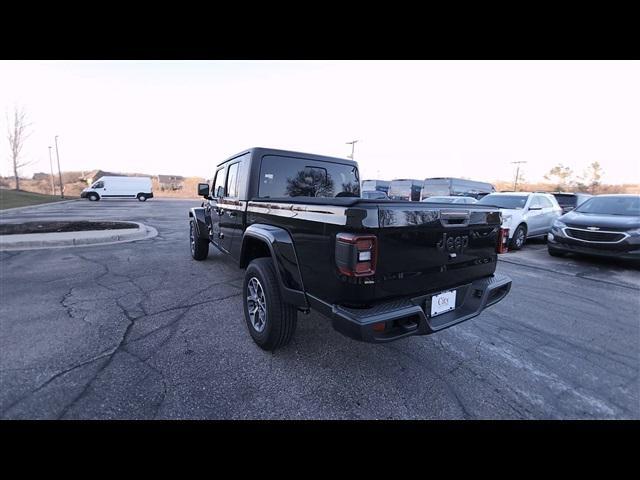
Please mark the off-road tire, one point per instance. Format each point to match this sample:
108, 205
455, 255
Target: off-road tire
199, 247
281, 318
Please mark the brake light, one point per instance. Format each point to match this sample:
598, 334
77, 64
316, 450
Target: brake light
502, 245
356, 255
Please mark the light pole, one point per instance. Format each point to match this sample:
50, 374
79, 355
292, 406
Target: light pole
59, 172
53, 187
353, 145
515, 183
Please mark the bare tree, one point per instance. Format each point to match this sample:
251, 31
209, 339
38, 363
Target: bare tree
591, 177
17, 134
561, 176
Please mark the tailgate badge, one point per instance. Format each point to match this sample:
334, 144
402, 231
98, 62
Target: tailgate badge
453, 245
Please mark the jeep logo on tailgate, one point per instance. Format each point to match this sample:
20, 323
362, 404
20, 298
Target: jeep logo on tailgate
453, 244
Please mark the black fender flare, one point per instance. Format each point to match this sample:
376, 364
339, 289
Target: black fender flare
285, 259
202, 227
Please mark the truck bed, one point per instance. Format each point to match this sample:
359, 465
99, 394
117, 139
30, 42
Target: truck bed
421, 247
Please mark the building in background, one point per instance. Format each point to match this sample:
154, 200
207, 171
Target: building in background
170, 182
94, 175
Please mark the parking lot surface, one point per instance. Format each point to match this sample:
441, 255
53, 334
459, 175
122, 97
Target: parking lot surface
140, 330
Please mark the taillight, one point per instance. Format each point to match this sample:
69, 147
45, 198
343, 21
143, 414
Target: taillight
356, 255
503, 241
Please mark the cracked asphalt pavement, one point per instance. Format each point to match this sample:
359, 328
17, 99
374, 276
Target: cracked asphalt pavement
139, 331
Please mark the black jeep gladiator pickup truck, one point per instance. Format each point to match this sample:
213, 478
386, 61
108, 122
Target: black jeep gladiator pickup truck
379, 269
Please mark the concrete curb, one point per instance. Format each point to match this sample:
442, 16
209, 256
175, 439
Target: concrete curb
18, 209
36, 241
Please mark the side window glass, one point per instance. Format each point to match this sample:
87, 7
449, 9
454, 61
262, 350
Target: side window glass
232, 181
546, 203
218, 184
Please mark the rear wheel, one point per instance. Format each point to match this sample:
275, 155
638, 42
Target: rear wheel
93, 197
199, 247
519, 237
270, 321
142, 197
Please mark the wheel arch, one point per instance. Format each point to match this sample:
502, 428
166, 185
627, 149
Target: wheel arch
523, 223
260, 241
202, 227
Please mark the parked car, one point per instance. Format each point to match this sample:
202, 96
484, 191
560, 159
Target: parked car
525, 214
450, 199
376, 185
405, 189
374, 195
569, 201
605, 225
380, 270
455, 186
119, 187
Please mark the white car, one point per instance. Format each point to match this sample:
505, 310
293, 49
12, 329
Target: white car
525, 214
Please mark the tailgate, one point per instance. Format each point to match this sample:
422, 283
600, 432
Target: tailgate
428, 247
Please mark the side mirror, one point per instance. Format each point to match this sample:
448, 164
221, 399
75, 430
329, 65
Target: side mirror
203, 190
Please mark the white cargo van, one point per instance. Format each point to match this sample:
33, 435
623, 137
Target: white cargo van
119, 187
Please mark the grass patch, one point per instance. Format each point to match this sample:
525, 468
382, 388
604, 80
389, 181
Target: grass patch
20, 198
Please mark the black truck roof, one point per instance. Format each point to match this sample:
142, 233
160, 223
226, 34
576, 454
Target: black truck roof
258, 151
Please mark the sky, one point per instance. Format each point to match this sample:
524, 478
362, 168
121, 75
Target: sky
412, 119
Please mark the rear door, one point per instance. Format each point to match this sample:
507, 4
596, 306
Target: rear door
212, 207
229, 207
550, 210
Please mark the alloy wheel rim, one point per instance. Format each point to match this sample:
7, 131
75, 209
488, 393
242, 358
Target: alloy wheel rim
520, 239
191, 238
256, 305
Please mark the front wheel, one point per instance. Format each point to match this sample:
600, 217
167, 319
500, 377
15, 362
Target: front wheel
199, 247
93, 197
271, 321
519, 237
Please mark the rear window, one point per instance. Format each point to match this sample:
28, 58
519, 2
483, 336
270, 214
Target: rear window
567, 200
301, 177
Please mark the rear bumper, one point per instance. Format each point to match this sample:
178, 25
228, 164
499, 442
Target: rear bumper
408, 316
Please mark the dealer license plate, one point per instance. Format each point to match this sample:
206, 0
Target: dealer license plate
443, 302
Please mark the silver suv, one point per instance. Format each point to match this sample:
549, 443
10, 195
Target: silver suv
525, 214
